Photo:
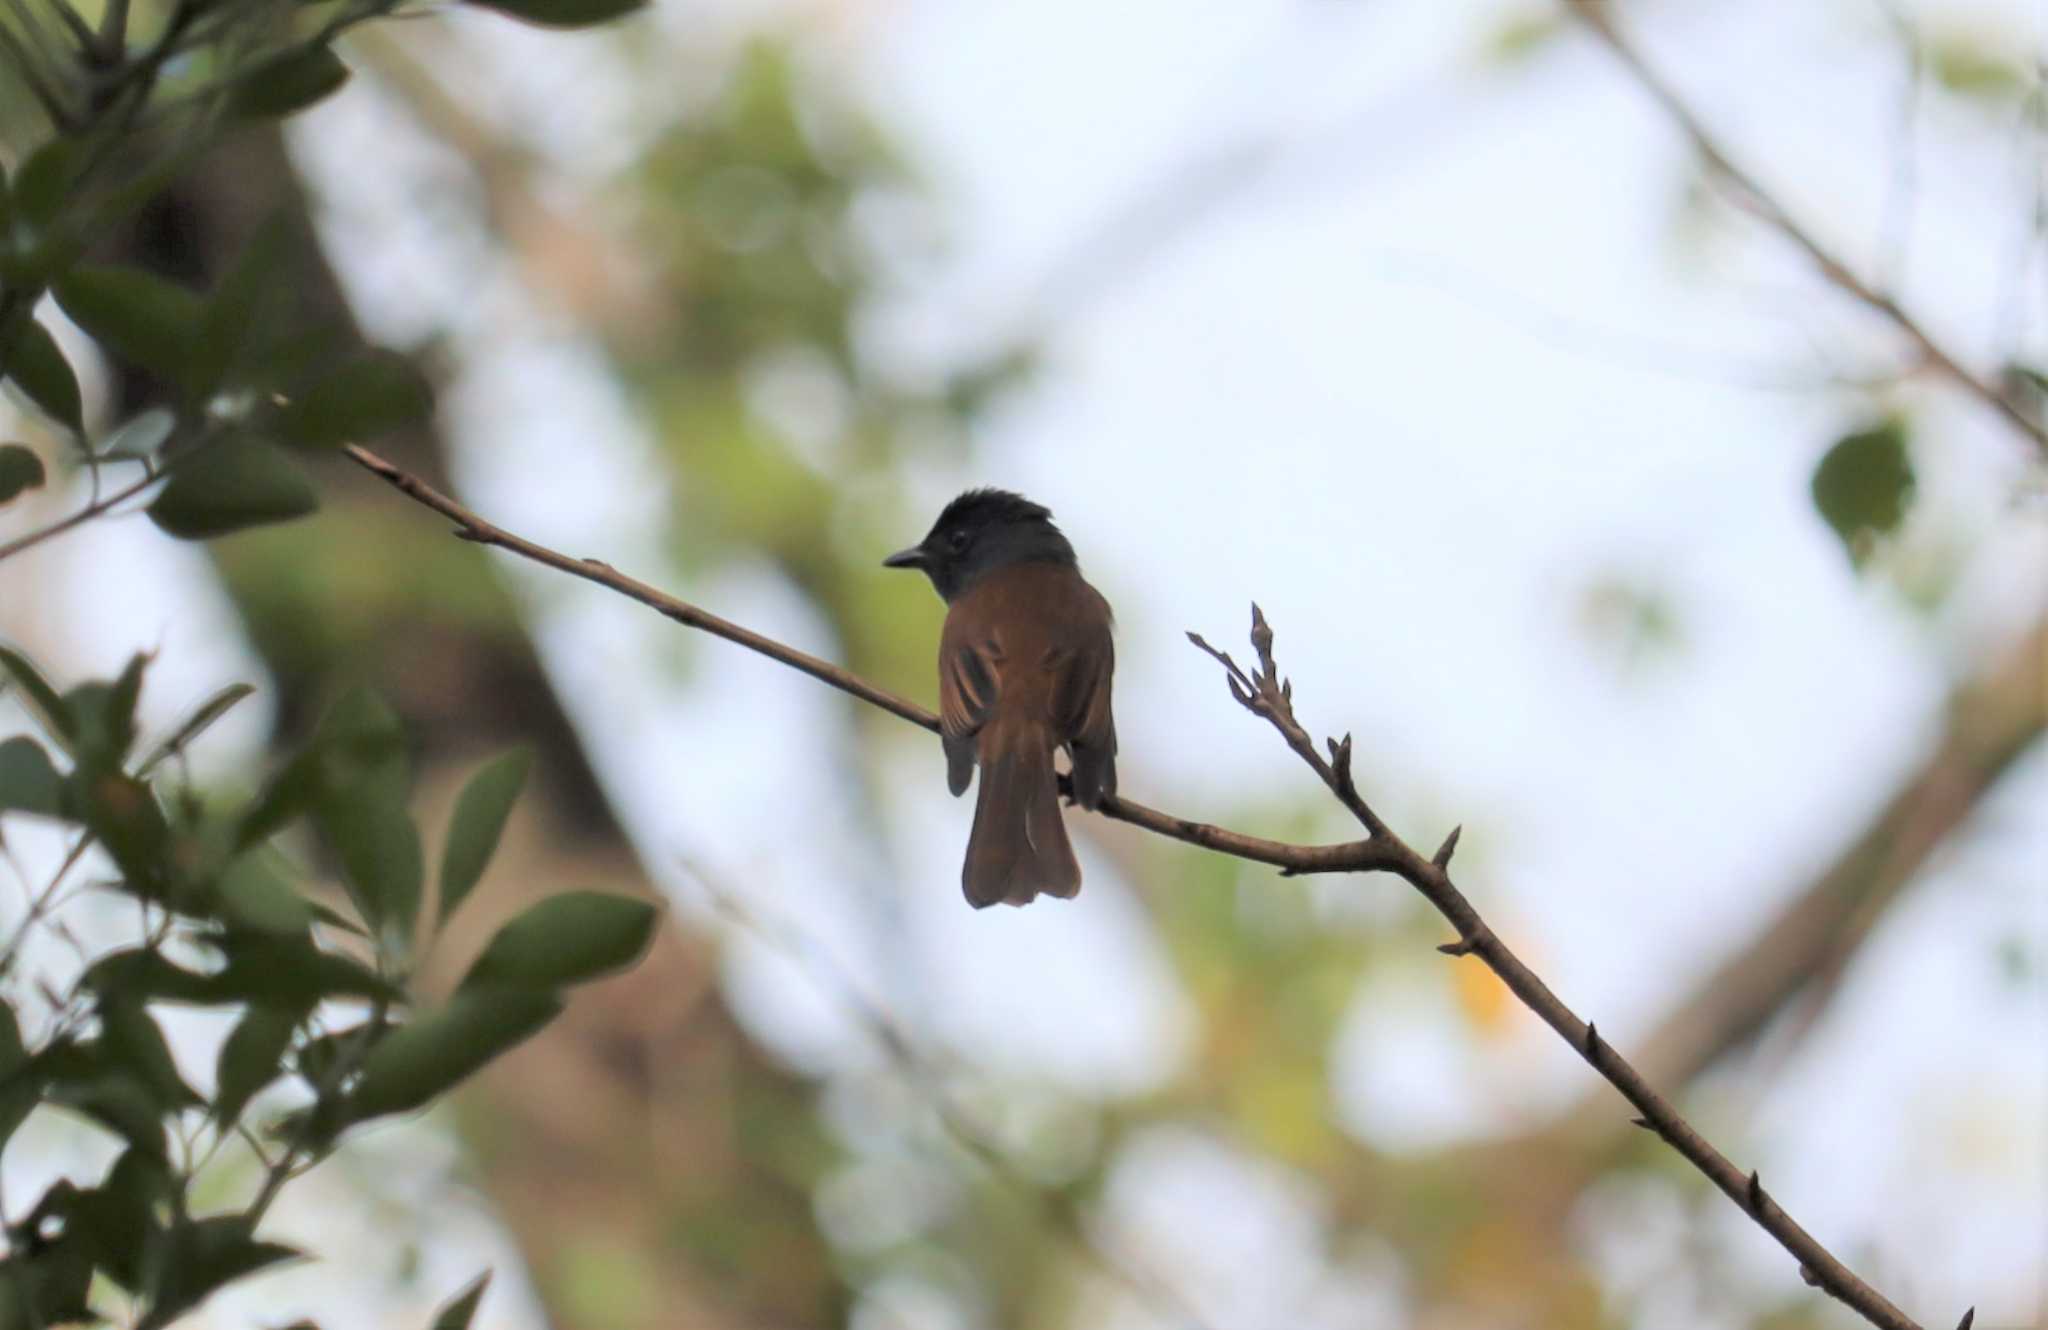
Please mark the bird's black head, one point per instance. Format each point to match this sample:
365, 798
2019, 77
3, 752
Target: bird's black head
979, 532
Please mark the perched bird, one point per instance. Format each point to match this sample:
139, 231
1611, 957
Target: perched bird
1024, 668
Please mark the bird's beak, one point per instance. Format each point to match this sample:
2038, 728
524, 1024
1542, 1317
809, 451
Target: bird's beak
914, 557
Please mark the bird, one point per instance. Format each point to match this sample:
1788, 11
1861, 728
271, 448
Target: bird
1025, 662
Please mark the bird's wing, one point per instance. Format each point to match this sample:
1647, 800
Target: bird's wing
1082, 711
969, 683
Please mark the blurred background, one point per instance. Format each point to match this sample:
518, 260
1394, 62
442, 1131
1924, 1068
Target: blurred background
1421, 323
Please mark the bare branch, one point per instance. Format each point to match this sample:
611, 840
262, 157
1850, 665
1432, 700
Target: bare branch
1594, 14
1266, 694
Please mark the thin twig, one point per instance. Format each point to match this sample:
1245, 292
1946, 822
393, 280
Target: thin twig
1267, 695
1264, 693
1594, 14
82, 516
1353, 856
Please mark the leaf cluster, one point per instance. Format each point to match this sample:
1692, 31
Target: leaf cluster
326, 1034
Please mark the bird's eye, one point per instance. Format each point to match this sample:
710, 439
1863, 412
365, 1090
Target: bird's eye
956, 541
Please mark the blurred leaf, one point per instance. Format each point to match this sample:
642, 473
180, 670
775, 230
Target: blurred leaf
45, 179
145, 318
126, 817
28, 783
1977, 65
237, 315
458, 1311
20, 471
478, 822
370, 396
129, 1035
256, 895
20, 1086
566, 939
440, 1049
229, 485
209, 711
286, 83
83, 1078
45, 1287
103, 717
37, 365
251, 1057
1864, 485
206, 1254
117, 1220
360, 737
563, 13
292, 971
1521, 34
144, 974
41, 699
140, 438
367, 825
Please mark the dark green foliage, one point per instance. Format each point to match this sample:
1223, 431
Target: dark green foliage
565, 939
287, 82
374, 394
229, 486
563, 13
37, 366
1864, 485
235, 930
478, 822
140, 316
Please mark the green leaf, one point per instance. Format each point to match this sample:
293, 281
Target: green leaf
130, 1037
286, 83
370, 396
254, 894
38, 367
28, 783
117, 1220
207, 1254
370, 830
20, 471
209, 711
46, 1287
479, 820
83, 1078
103, 717
565, 939
126, 817
144, 974
230, 485
141, 438
45, 179
145, 318
439, 1050
20, 1086
252, 1057
291, 971
456, 1313
563, 13
43, 702
1864, 485
239, 316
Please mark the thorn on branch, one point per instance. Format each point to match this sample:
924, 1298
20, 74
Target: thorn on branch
1442, 857
1969, 1317
1237, 691
1806, 1273
1593, 1043
1462, 947
1756, 1193
1645, 1124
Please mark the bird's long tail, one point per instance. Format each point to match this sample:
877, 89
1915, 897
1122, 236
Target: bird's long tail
1019, 845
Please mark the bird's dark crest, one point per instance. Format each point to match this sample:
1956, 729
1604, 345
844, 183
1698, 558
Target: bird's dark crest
979, 507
